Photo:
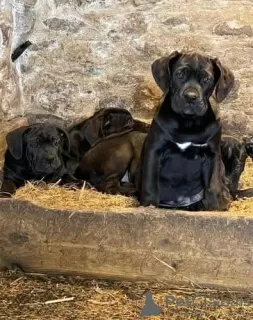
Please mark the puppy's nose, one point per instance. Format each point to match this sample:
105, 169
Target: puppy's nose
191, 94
50, 156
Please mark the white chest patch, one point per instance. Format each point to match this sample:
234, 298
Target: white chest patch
185, 145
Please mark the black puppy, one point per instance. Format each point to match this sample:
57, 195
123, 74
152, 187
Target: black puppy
33, 153
234, 154
181, 164
249, 147
103, 123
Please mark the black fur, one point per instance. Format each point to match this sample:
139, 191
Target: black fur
35, 152
234, 154
185, 115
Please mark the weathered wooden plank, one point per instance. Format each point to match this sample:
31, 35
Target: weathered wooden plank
210, 249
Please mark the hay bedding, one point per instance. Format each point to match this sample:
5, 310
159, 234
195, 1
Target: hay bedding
55, 197
23, 297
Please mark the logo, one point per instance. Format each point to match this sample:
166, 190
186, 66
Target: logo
150, 307
195, 303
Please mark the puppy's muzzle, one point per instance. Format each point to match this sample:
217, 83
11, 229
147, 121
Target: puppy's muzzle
193, 101
52, 161
191, 94
50, 157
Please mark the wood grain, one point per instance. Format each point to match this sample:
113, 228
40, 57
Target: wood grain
202, 249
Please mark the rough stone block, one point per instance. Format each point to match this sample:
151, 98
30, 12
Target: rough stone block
89, 54
233, 28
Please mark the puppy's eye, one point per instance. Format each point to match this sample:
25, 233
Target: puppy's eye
34, 144
206, 79
56, 143
180, 75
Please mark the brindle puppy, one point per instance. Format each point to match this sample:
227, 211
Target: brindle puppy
110, 160
35, 152
249, 147
103, 123
234, 154
181, 164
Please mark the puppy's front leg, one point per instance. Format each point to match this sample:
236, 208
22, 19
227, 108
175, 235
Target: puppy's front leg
150, 170
217, 195
8, 188
234, 182
112, 185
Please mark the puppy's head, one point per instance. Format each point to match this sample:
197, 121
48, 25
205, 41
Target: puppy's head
234, 157
106, 122
249, 149
191, 79
115, 120
233, 152
42, 145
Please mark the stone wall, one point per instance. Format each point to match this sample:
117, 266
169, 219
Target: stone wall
88, 54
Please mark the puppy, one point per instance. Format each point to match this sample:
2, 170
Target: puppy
110, 160
33, 153
249, 148
234, 155
181, 164
103, 123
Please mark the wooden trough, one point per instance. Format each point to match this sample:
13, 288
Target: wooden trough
202, 249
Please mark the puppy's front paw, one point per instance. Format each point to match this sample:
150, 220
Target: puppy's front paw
149, 201
78, 184
5, 195
217, 201
234, 195
89, 186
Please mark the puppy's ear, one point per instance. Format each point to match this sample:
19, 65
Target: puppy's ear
91, 130
161, 70
249, 149
65, 138
224, 81
14, 141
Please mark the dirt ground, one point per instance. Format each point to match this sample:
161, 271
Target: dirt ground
36, 297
